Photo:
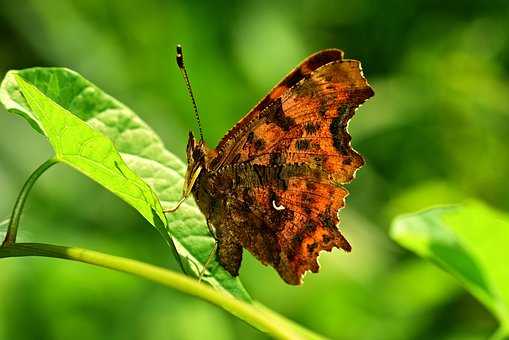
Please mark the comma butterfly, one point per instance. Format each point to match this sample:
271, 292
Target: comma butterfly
274, 183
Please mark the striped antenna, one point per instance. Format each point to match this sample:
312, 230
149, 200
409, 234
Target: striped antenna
182, 67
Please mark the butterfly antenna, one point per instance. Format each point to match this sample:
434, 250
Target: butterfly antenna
182, 67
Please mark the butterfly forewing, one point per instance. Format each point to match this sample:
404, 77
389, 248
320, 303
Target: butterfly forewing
305, 122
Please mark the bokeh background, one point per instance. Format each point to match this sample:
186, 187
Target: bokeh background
435, 132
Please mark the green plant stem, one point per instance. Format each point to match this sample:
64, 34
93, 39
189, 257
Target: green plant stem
254, 314
12, 228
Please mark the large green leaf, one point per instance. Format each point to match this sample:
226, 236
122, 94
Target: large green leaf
105, 140
90, 152
470, 242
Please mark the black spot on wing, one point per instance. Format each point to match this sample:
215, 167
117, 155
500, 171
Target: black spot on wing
311, 127
310, 186
343, 110
302, 144
326, 219
336, 128
311, 247
277, 116
259, 144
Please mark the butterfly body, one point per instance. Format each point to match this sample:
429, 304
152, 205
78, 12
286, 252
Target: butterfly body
274, 183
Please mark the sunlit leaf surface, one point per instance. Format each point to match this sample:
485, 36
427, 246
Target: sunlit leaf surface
468, 241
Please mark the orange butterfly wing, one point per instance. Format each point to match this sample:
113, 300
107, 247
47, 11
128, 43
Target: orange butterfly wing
283, 164
303, 120
284, 219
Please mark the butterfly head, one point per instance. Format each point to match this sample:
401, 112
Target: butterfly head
196, 151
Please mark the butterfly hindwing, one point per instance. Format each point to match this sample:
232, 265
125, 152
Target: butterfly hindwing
283, 215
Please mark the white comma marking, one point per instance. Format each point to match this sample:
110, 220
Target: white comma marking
277, 207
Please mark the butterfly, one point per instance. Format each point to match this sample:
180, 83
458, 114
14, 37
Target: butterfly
274, 184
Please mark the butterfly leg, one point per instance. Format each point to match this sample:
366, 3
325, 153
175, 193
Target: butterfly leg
213, 253
192, 173
212, 230
207, 263
172, 210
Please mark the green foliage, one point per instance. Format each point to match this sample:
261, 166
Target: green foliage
55, 100
468, 241
435, 133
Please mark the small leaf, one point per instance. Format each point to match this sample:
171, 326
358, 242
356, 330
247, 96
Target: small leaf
105, 140
468, 241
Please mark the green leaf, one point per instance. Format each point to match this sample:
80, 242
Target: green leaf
90, 152
102, 138
470, 242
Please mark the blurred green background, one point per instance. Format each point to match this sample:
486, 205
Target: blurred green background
435, 132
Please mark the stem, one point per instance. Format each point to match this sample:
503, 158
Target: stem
12, 228
254, 314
